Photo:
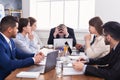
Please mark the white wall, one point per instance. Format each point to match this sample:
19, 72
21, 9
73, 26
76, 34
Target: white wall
108, 10
26, 8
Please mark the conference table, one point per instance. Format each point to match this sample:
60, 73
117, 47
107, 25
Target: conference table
51, 75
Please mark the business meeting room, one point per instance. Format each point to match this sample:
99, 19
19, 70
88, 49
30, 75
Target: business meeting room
59, 40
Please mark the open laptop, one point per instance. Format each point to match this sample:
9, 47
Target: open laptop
60, 42
50, 63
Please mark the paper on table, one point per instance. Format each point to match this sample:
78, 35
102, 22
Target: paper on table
46, 51
25, 74
71, 71
82, 55
74, 57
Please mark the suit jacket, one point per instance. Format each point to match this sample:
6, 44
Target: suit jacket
12, 59
110, 72
71, 35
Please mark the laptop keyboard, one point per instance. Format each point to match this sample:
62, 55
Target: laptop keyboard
40, 69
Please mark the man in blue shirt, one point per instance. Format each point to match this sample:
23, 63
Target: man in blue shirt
11, 57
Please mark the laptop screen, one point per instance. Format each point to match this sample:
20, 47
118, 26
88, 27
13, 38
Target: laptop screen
61, 42
50, 63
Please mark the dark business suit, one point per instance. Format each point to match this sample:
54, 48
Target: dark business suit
9, 59
110, 72
71, 35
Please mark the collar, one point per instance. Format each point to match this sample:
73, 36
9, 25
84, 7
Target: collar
7, 39
99, 38
115, 46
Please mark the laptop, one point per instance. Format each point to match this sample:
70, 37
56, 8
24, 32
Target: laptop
50, 63
61, 42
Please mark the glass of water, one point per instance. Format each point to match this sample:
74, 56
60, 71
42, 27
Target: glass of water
59, 68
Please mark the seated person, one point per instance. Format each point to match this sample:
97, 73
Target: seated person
12, 57
24, 38
61, 31
97, 48
111, 62
36, 40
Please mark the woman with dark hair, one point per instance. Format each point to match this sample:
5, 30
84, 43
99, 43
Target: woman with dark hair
97, 47
24, 38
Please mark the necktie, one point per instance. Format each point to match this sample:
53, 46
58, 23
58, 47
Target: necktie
93, 40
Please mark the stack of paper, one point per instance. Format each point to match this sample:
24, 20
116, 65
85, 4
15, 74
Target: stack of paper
25, 74
46, 51
71, 71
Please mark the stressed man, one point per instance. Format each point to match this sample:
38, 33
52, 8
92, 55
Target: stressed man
61, 31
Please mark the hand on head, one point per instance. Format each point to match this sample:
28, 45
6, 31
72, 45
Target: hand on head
56, 32
65, 31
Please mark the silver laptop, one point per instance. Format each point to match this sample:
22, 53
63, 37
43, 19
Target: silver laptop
49, 65
61, 42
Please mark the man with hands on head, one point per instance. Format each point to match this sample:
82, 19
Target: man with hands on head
12, 57
61, 31
110, 64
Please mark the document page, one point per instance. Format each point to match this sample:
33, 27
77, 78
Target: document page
46, 51
26, 74
71, 71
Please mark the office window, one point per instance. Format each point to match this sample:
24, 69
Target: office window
72, 13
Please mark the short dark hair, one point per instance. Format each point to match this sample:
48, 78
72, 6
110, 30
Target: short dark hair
23, 22
113, 29
32, 20
97, 23
8, 21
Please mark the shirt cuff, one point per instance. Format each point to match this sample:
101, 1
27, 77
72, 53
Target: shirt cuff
87, 59
67, 35
33, 59
84, 68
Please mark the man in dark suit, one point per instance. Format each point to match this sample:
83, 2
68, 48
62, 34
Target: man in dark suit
11, 57
111, 62
61, 31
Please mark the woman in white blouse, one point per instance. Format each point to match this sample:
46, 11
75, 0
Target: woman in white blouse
98, 48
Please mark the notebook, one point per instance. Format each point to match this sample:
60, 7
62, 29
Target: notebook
71, 71
25, 74
61, 42
50, 63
